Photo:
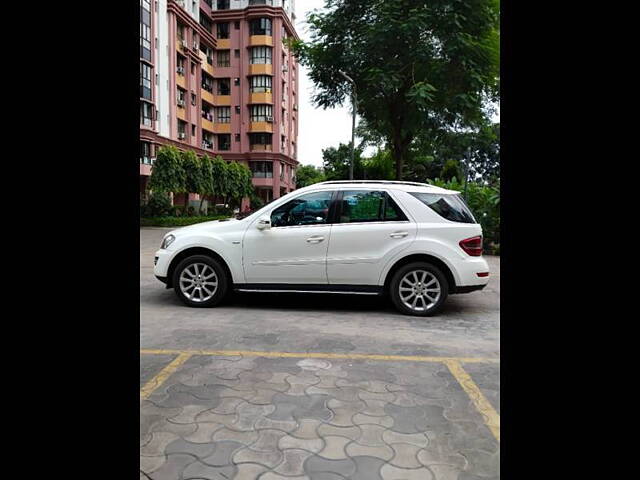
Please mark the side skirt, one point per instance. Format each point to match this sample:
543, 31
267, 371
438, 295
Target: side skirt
310, 288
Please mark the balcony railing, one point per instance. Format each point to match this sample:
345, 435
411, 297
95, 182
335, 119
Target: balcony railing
147, 160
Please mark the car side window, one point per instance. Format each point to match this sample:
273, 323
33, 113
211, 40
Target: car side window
309, 209
369, 206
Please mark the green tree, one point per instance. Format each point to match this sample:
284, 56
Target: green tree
418, 65
194, 181
206, 175
336, 162
238, 183
308, 175
379, 166
167, 174
451, 170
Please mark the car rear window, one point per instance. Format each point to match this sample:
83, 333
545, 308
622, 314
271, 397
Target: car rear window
449, 206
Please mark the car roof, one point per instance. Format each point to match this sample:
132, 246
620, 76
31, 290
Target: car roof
386, 184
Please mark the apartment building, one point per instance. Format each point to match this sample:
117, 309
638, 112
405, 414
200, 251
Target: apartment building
217, 78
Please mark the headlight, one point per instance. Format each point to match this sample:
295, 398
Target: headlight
168, 240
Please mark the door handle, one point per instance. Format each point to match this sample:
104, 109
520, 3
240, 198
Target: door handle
398, 234
315, 239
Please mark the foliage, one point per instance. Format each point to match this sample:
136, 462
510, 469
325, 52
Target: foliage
379, 166
418, 66
484, 202
255, 201
194, 178
450, 170
177, 221
158, 204
308, 175
167, 174
237, 184
336, 162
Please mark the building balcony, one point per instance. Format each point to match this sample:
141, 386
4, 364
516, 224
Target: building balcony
222, 128
206, 66
261, 127
261, 98
181, 81
207, 96
260, 40
261, 148
223, 44
182, 45
221, 100
181, 113
261, 69
207, 125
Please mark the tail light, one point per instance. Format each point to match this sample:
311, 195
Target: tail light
473, 246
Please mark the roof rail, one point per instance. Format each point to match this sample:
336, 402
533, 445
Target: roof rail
376, 181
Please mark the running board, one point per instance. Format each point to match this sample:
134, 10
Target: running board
326, 288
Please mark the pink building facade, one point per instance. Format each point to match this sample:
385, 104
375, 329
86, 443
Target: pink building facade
227, 86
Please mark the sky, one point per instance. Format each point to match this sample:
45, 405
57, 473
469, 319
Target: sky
320, 128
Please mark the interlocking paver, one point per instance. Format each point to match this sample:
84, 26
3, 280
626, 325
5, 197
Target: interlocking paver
316, 420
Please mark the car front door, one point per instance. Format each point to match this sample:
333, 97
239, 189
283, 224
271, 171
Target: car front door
294, 249
370, 229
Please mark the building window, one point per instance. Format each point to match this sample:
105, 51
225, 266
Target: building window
261, 169
180, 65
260, 55
224, 86
145, 41
193, 130
205, 22
281, 171
207, 140
193, 68
260, 2
145, 153
224, 58
236, 53
237, 137
222, 30
193, 99
223, 114
207, 83
261, 113
223, 4
236, 25
146, 113
260, 26
182, 130
145, 81
207, 112
260, 84
260, 141
180, 97
224, 141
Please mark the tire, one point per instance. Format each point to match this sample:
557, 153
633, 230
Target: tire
194, 291
427, 301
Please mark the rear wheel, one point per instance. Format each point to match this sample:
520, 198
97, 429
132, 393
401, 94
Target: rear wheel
419, 289
200, 281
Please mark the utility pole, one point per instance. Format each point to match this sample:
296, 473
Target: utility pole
354, 102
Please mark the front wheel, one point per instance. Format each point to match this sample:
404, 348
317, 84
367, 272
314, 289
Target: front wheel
200, 281
418, 289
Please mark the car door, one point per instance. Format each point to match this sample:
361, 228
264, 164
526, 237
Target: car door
294, 249
370, 228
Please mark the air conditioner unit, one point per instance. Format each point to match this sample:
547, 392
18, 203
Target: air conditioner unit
181, 70
182, 135
270, 119
284, 68
181, 103
184, 44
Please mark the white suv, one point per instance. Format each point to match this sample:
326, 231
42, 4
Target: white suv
414, 241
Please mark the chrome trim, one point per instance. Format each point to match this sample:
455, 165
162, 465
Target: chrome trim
303, 291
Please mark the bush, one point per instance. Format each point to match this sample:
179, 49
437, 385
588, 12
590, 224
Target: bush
158, 205
177, 221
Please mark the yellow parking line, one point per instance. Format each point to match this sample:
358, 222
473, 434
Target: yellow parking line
159, 379
490, 416
351, 356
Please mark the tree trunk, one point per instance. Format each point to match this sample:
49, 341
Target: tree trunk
200, 207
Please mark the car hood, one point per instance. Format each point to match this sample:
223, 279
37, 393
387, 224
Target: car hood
226, 223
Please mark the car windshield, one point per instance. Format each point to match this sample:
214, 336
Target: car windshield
447, 205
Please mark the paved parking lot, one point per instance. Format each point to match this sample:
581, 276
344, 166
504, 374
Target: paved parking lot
316, 387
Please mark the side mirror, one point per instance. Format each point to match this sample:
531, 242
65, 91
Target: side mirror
264, 223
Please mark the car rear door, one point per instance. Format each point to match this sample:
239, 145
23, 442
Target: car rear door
370, 228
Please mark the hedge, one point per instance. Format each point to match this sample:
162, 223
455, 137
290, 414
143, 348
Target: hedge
177, 221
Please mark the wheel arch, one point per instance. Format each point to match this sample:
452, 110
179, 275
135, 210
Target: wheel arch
422, 257
188, 252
